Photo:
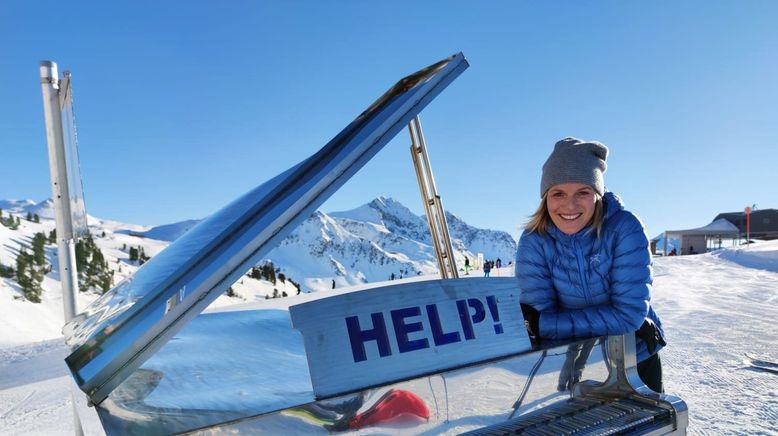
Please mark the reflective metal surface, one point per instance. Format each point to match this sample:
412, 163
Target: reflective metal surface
199, 383
123, 328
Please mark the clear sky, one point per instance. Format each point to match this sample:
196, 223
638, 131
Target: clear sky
182, 106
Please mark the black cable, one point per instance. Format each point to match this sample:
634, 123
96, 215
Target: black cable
524, 391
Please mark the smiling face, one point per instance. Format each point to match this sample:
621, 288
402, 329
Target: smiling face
571, 206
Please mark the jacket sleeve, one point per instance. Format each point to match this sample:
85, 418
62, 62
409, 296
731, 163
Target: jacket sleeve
630, 291
533, 274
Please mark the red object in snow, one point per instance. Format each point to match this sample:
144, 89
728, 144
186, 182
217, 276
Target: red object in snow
393, 406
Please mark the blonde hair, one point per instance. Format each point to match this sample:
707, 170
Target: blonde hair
540, 221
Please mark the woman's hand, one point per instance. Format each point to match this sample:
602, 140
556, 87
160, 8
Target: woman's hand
531, 319
650, 334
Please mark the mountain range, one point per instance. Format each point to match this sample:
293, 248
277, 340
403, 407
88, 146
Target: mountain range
374, 242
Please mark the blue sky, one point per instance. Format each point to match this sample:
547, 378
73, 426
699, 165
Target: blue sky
184, 105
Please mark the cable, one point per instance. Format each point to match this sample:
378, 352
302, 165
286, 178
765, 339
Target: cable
524, 391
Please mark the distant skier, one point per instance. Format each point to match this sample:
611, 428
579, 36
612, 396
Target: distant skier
467, 266
498, 263
487, 268
333, 283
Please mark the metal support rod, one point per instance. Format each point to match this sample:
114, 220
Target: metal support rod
66, 244
430, 220
433, 205
66, 251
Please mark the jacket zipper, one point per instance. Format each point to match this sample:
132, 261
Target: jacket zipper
580, 259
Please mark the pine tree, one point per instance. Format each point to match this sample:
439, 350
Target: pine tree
10, 222
7, 271
28, 277
36, 218
29, 216
39, 249
269, 272
53, 236
133, 254
93, 270
295, 284
21, 268
255, 273
81, 255
142, 255
106, 281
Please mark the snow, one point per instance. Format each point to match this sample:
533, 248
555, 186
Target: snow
715, 308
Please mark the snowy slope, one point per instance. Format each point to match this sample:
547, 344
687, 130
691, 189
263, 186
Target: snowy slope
714, 307
37, 322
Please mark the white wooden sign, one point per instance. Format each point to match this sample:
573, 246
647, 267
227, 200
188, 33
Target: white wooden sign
391, 333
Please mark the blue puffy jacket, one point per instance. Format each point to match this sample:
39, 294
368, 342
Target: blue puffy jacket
586, 286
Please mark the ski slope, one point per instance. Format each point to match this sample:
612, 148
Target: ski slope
715, 307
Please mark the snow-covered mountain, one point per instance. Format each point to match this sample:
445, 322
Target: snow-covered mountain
17, 205
367, 244
375, 241
371, 243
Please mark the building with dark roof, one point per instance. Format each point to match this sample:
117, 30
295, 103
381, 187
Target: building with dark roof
764, 223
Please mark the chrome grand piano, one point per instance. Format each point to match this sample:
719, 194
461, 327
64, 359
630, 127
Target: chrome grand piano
439, 356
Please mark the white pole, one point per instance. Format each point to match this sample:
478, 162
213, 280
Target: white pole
66, 246
59, 187
664, 244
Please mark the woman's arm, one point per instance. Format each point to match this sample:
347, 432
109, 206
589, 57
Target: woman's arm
533, 274
630, 290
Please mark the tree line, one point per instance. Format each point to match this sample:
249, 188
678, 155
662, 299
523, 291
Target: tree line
31, 266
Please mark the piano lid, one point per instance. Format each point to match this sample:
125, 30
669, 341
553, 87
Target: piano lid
123, 328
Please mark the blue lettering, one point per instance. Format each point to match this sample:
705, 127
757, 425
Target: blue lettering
492, 302
358, 337
466, 319
401, 329
438, 336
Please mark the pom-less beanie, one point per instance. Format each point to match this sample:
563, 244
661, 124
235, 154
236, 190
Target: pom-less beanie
575, 161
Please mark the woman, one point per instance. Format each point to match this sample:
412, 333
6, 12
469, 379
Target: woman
583, 262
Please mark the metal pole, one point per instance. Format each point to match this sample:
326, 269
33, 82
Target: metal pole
429, 213
446, 239
436, 217
664, 244
66, 251
60, 193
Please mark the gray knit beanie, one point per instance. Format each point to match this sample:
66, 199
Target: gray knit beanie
575, 161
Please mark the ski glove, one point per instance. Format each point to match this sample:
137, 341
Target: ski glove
650, 334
531, 320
